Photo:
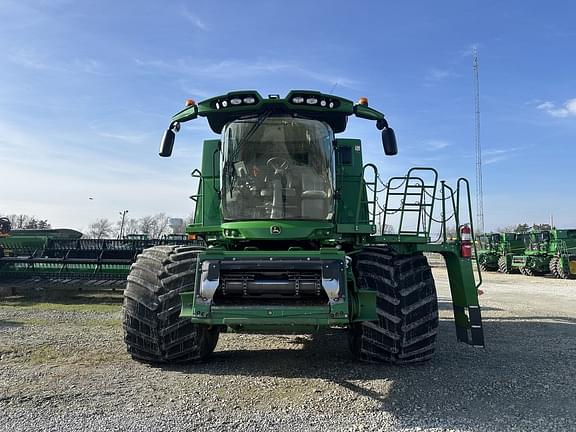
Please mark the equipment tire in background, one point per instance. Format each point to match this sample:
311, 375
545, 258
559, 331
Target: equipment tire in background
5, 226
406, 305
153, 330
503, 265
558, 269
553, 264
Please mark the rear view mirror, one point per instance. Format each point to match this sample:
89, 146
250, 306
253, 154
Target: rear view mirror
167, 143
389, 141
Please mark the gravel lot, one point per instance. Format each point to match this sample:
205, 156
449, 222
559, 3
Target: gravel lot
63, 367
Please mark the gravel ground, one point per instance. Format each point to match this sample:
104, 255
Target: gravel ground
63, 368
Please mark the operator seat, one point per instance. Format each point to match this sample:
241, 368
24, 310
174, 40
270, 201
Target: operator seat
314, 196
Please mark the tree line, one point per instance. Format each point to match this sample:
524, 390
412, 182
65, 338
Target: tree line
23, 221
524, 227
155, 226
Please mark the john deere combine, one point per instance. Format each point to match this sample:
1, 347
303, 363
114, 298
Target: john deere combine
498, 249
549, 251
289, 214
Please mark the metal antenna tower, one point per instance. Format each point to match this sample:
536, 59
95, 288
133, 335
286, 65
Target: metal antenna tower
479, 193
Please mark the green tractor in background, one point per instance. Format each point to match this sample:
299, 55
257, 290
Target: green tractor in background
563, 249
289, 217
549, 251
497, 250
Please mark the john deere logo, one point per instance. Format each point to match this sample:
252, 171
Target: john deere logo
275, 229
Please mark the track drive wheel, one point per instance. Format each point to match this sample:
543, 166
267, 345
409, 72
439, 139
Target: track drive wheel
503, 265
406, 306
153, 330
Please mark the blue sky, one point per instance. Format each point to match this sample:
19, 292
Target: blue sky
87, 89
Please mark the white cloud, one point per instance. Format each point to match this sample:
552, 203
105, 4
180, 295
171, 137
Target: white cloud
242, 69
127, 137
437, 75
32, 59
90, 66
197, 22
568, 108
493, 156
436, 144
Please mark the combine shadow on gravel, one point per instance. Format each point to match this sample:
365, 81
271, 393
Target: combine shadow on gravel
7, 323
523, 378
446, 305
62, 298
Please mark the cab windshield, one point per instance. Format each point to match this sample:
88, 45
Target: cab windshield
277, 167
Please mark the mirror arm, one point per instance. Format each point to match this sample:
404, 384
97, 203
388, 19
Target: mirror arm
187, 114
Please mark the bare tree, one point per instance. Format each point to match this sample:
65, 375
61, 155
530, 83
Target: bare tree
541, 227
506, 229
178, 225
23, 221
101, 228
131, 226
155, 225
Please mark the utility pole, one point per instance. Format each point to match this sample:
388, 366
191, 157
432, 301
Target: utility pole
479, 192
123, 214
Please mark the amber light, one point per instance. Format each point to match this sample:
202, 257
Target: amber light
191, 236
190, 102
363, 101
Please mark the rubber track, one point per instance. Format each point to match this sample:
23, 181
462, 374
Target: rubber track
153, 331
407, 307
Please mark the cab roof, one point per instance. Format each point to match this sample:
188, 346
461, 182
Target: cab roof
333, 110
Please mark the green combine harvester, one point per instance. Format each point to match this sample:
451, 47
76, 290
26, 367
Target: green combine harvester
289, 215
57, 257
498, 249
549, 251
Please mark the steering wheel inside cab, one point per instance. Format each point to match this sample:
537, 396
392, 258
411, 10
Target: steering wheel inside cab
278, 164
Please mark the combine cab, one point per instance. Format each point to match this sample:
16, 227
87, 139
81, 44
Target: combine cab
298, 234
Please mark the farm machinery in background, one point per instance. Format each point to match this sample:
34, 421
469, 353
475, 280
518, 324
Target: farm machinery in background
497, 250
549, 251
63, 257
290, 216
